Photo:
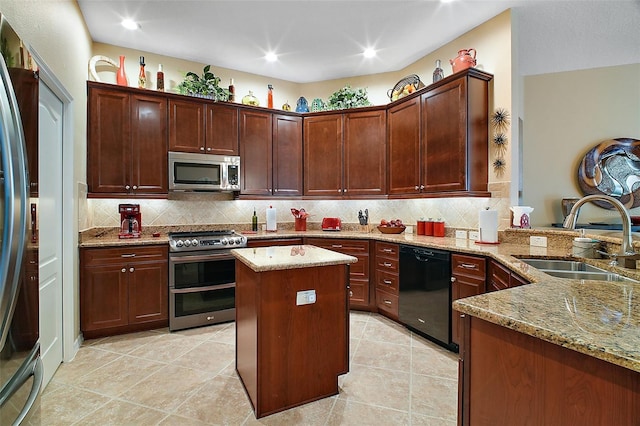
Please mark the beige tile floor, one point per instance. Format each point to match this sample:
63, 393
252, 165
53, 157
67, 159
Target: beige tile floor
188, 378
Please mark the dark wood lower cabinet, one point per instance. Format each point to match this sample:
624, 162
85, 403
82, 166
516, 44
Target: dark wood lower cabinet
508, 378
123, 290
274, 242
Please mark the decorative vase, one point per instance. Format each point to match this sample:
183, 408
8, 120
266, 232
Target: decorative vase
302, 105
121, 76
464, 60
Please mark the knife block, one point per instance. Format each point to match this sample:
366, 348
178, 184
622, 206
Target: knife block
365, 228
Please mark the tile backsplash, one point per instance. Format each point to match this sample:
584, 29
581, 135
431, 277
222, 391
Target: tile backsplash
220, 208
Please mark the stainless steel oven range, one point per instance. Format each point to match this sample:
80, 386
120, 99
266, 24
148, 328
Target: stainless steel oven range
202, 279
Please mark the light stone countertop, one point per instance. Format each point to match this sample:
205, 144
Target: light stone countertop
598, 318
261, 259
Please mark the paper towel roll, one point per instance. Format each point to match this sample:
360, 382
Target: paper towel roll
488, 226
271, 219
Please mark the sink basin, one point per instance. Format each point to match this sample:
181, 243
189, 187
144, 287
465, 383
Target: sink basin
561, 265
574, 270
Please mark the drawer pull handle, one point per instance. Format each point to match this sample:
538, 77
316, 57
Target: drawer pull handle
388, 282
350, 293
387, 250
387, 264
387, 302
336, 245
468, 266
128, 255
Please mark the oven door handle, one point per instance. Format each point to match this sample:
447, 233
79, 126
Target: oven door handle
191, 258
201, 289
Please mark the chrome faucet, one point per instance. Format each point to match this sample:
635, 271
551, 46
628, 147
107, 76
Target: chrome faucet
626, 249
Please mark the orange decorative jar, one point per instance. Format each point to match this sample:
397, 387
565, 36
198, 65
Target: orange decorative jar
464, 60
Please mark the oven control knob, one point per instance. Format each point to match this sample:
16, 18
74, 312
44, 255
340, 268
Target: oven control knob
194, 242
231, 241
187, 243
224, 242
179, 243
238, 240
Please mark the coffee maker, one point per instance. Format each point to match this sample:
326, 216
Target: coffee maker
130, 221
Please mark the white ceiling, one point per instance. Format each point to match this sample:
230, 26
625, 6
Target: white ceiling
315, 40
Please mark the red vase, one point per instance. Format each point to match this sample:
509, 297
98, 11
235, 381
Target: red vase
121, 76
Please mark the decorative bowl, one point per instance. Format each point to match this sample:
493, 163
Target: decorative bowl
391, 229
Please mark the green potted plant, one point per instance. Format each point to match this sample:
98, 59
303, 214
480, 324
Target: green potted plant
348, 98
205, 86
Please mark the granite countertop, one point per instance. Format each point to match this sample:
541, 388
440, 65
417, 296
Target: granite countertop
261, 259
598, 318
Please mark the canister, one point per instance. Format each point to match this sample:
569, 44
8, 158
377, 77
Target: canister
438, 228
421, 227
428, 227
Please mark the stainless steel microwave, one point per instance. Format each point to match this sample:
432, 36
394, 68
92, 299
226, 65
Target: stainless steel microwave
203, 172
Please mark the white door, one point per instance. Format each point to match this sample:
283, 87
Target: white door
50, 126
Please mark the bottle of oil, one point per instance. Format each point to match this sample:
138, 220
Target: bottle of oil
254, 221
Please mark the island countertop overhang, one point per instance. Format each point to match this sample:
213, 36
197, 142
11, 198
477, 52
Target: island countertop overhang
261, 259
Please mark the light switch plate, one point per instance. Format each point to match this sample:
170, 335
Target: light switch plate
474, 235
461, 234
305, 297
538, 241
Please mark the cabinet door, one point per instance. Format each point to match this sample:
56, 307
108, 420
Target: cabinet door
256, 152
149, 144
365, 156
444, 135
25, 85
109, 144
468, 279
186, 125
148, 292
222, 130
498, 277
287, 155
323, 155
403, 124
104, 297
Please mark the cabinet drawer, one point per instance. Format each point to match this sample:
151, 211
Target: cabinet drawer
387, 250
387, 282
388, 265
498, 278
470, 266
106, 256
341, 245
386, 302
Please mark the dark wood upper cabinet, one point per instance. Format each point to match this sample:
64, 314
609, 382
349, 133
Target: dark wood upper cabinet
256, 152
25, 85
365, 153
323, 155
403, 140
127, 142
202, 127
287, 155
455, 135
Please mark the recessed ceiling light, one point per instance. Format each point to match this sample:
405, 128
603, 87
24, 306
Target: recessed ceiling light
130, 24
369, 53
271, 57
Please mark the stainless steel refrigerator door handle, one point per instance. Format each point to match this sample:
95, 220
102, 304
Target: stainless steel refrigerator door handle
32, 368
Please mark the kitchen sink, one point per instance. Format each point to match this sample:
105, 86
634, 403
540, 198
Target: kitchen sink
575, 270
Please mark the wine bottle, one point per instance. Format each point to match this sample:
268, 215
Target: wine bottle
232, 91
254, 221
160, 79
142, 78
438, 73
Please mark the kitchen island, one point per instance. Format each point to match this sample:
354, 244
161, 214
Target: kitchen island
292, 324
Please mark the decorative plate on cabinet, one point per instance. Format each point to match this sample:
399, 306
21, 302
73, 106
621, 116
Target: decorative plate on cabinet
612, 168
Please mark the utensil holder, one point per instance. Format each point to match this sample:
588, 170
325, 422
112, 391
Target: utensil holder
300, 224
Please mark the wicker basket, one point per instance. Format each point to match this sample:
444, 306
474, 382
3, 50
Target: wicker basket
413, 80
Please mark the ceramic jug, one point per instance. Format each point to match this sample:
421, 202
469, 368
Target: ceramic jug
464, 60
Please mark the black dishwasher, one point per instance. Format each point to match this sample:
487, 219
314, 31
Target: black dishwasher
425, 293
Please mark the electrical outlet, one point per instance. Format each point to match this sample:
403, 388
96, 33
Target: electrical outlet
305, 297
474, 235
461, 234
538, 241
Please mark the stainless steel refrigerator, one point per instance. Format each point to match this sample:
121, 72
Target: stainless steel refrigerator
21, 369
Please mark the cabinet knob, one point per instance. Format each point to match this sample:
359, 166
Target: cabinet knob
124, 269
34, 184
208, 149
339, 190
350, 293
453, 279
135, 187
131, 269
202, 148
127, 187
344, 190
417, 187
421, 187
